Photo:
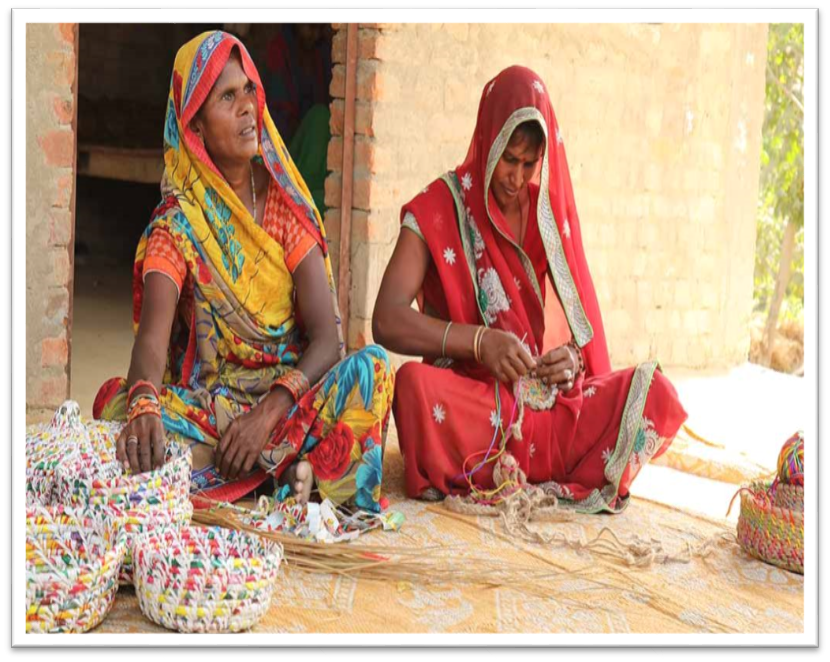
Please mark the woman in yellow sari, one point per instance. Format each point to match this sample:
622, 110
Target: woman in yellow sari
238, 349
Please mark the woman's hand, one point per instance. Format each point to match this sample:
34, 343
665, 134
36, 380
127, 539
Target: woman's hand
141, 445
558, 367
504, 356
248, 434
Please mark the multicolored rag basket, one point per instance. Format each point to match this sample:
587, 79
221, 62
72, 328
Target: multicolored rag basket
771, 523
138, 502
72, 563
198, 579
65, 438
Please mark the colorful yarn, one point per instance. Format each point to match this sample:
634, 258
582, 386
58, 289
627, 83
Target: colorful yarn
791, 461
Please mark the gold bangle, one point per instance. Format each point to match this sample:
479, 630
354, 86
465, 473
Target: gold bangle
444, 341
484, 330
479, 331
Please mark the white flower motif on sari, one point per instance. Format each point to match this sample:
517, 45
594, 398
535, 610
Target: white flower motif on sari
606, 455
467, 181
566, 228
590, 392
537, 85
495, 419
518, 283
439, 414
449, 255
492, 297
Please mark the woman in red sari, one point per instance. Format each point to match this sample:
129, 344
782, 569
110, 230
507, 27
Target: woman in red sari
507, 307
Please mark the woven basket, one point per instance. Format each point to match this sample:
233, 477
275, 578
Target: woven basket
67, 439
135, 503
135, 522
84, 484
72, 563
72, 463
788, 497
200, 579
770, 532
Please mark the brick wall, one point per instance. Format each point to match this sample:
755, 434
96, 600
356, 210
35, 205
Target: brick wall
51, 67
662, 130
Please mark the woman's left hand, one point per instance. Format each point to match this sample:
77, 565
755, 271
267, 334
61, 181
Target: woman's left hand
558, 366
246, 437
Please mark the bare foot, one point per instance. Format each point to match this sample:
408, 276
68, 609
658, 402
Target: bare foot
432, 494
300, 478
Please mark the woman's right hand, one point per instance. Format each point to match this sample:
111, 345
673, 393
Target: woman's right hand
141, 445
505, 356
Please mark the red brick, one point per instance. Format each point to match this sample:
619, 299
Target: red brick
60, 227
332, 223
54, 390
364, 155
338, 108
369, 44
369, 82
59, 148
361, 192
54, 352
338, 47
58, 304
334, 155
67, 31
64, 191
364, 117
64, 66
337, 88
64, 110
60, 267
333, 189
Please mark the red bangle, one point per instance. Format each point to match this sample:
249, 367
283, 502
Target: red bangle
295, 382
141, 411
140, 383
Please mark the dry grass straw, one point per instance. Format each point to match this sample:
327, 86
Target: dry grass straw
439, 565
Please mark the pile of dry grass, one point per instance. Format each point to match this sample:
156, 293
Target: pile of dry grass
788, 346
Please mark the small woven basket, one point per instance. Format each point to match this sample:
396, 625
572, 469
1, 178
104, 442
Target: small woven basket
198, 579
72, 563
771, 524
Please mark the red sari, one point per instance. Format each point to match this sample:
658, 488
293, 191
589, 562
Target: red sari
588, 447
